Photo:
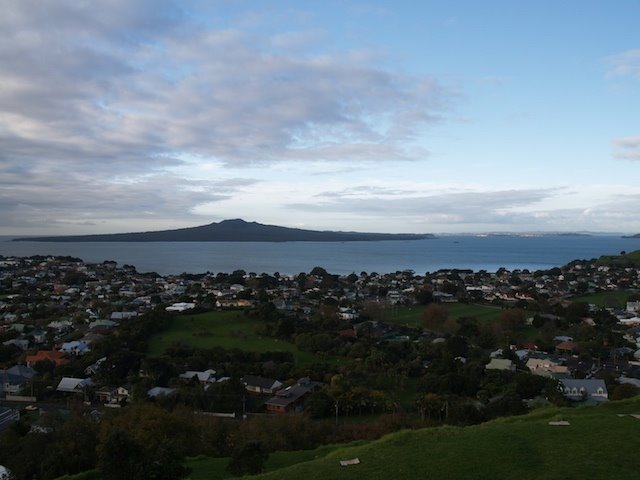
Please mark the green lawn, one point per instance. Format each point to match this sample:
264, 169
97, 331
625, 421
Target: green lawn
598, 444
411, 315
207, 468
226, 329
615, 298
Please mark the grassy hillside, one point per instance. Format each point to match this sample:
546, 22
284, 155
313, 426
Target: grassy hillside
629, 259
207, 468
226, 329
599, 443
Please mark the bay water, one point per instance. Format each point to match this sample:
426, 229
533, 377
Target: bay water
462, 251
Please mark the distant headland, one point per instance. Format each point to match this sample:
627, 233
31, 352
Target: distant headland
236, 230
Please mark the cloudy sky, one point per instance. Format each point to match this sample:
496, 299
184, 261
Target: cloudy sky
398, 116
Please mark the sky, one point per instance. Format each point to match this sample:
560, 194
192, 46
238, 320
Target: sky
377, 116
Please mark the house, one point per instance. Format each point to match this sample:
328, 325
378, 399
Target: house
54, 356
11, 383
233, 303
21, 343
22, 370
290, 399
206, 377
94, 367
117, 316
500, 364
102, 324
73, 385
567, 347
76, 347
348, 333
633, 307
546, 367
156, 392
113, 396
591, 389
180, 307
261, 385
348, 314
7, 417
39, 336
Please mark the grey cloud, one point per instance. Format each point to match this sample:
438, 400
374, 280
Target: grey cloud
455, 207
68, 198
488, 210
138, 80
100, 99
627, 148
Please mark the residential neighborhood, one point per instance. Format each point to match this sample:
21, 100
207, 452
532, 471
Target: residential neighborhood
452, 346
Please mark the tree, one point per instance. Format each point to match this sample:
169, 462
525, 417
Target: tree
319, 405
624, 390
120, 457
250, 459
145, 441
424, 296
432, 405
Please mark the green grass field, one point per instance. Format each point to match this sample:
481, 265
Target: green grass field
411, 315
598, 444
207, 468
615, 298
226, 329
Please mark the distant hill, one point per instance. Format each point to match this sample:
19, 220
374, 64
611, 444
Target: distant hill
637, 235
631, 259
232, 231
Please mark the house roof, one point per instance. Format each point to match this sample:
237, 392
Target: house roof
206, 376
22, 370
590, 386
52, 355
7, 417
157, 391
289, 395
262, 382
568, 345
70, 384
11, 378
499, 364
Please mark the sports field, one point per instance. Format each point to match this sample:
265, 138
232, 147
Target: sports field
225, 329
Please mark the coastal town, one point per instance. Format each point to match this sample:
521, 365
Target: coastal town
452, 346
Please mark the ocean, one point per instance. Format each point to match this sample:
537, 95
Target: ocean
463, 252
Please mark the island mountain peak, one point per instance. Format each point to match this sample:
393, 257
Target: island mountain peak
232, 230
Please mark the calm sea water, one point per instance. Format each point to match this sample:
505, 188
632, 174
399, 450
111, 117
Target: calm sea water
473, 252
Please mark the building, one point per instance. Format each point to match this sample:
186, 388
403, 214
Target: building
261, 385
291, 399
587, 389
